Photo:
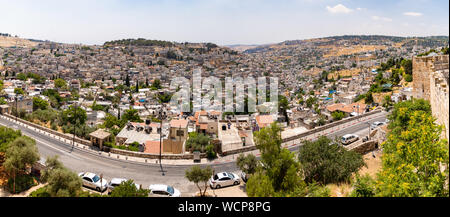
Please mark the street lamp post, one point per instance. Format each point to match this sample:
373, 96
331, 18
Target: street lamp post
162, 115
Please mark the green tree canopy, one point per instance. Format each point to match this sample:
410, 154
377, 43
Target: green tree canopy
39, 103
129, 189
414, 154
197, 142
74, 115
324, 161
198, 175
247, 163
60, 83
22, 152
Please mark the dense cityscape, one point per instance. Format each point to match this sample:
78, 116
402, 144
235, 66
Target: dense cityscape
357, 116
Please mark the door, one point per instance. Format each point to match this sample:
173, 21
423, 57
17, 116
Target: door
225, 181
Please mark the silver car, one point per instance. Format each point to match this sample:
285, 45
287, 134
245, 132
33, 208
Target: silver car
223, 179
116, 182
92, 180
163, 191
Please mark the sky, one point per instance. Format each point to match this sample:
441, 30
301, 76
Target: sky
224, 22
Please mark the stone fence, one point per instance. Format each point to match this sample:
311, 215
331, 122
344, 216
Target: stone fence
151, 156
365, 147
328, 126
48, 130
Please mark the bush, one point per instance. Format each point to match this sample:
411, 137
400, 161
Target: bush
210, 153
408, 78
40, 192
364, 186
325, 161
23, 183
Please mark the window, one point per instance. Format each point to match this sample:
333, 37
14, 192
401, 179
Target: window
96, 178
180, 133
87, 179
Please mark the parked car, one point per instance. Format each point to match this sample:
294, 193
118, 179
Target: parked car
116, 182
224, 179
163, 191
349, 138
376, 124
245, 177
92, 180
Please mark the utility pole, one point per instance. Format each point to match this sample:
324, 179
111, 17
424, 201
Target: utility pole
162, 116
17, 112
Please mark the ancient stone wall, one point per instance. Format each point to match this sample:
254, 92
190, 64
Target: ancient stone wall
431, 82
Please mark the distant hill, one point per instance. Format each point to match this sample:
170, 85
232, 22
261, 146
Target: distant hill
349, 40
241, 47
8, 41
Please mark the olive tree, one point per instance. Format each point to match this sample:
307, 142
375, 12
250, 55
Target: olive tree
198, 175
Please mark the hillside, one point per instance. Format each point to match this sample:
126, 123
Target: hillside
6, 41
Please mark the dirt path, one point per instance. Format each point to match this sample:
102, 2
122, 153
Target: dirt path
5, 193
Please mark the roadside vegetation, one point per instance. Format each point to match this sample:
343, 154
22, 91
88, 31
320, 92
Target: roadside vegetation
415, 160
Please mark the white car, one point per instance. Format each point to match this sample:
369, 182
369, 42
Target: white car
223, 179
349, 138
92, 180
116, 182
163, 191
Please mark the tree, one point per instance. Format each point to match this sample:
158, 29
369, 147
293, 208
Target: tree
131, 115
407, 66
39, 103
21, 76
22, 152
60, 83
310, 101
198, 175
137, 86
387, 102
63, 183
325, 162
259, 185
129, 189
283, 107
368, 98
19, 91
127, 81
413, 154
247, 163
74, 115
364, 186
197, 142
7, 135
156, 85
51, 164
279, 164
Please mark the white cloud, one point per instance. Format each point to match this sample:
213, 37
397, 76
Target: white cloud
339, 9
413, 14
386, 19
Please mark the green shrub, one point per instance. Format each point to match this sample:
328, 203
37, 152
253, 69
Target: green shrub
23, 183
40, 192
408, 78
210, 153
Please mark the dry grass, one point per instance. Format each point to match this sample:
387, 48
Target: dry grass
373, 167
339, 51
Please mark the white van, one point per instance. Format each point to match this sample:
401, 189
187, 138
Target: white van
349, 138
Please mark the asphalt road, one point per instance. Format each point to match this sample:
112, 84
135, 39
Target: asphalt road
80, 160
